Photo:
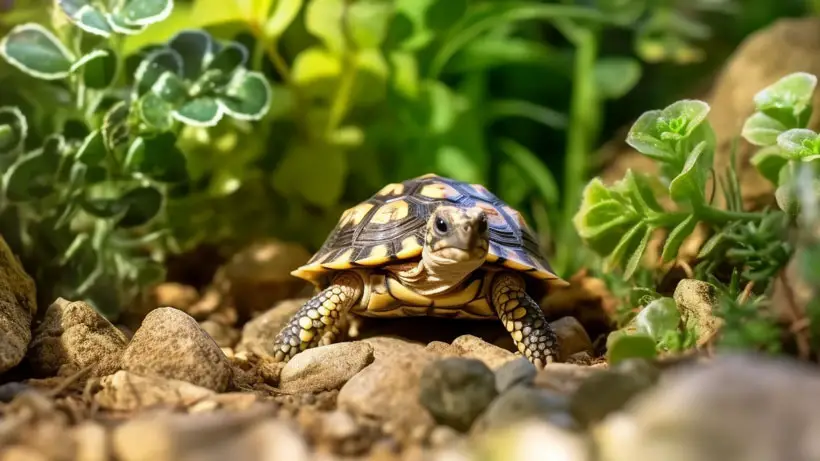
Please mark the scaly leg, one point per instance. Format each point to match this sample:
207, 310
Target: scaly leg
524, 320
321, 320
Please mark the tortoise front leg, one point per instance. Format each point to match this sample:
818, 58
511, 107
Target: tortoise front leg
321, 319
524, 320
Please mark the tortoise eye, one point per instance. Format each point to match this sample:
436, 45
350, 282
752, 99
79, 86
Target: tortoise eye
441, 225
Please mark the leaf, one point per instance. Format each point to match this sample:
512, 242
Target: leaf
158, 158
323, 21
631, 346
316, 72
86, 59
627, 245
768, 162
622, 12
315, 173
36, 51
404, 72
455, 163
616, 76
641, 192
86, 16
115, 129
800, 144
92, 150
283, 15
145, 12
196, 48
496, 52
31, 177
229, 58
203, 112
762, 130
99, 73
793, 91
13, 130
443, 14
247, 96
367, 22
155, 112
121, 26
657, 318
143, 204
514, 108
530, 165
637, 255
681, 118
644, 137
153, 66
689, 184
676, 238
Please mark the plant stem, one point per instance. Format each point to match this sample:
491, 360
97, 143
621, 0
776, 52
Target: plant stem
583, 129
718, 216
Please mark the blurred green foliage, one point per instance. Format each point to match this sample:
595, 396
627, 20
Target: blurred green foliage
516, 95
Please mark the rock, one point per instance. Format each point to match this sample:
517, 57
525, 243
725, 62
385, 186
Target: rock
572, 336
388, 388
443, 349
587, 299
609, 391
473, 347
258, 334
696, 302
259, 275
533, 441
74, 335
127, 391
325, 367
456, 390
522, 403
518, 372
246, 436
222, 334
90, 442
564, 378
736, 407
177, 295
170, 344
18, 304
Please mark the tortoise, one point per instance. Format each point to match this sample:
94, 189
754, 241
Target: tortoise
430, 245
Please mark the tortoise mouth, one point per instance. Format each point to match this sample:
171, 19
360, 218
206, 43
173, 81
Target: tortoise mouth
461, 253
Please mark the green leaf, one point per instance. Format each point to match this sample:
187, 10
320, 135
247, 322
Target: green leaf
768, 162
367, 22
640, 189
121, 26
530, 165
145, 12
637, 255
525, 109
631, 346
455, 163
404, 73
153, 66
229, 58
247, 96
793, 92
762, 130
13, 130
86, 16
315, 173
143, 204
170, 89
86, 59
92, 150
155, 112
202, 112
196, 47
496, 52
800, 144
627, 245
323, 20
157, 158
283, 15
115, 128
100, 72
689, 184
616, 76
622, 12
657, 318
31, 177
676, 238
36, 51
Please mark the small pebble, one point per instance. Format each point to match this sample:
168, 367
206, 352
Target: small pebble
456, 390
517, 372
520, 403
9, 391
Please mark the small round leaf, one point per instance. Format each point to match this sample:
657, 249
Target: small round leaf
143, 204
155, 112
629, 346
199, 112
30, 177
658, 317
145, 12
229, 58
121, 26
36, 51
13, 130
153, 66
170, 89
86, 16
196, 47
92, 150
158, 158
247, 96
115, 126
99, 73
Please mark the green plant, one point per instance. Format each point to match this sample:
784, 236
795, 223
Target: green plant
618, 221
84, 195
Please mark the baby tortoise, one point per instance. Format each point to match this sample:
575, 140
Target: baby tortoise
427, 246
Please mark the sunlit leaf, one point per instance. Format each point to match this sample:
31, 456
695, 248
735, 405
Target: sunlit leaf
637, 254
658, 317
314, 173
323, 20
203, 111
676, 238
92, 150
768, 162
196, 48
631, 346
145, 12
153, 66
155, 112
281, 18
36, 51
13, 130
367, 22
247, 96
86, 16
800, 144
689, 184
762, 130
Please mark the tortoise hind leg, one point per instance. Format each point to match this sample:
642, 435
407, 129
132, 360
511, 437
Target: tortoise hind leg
523, 318
321, 319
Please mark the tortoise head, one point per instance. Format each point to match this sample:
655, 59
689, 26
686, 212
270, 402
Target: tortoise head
457, 237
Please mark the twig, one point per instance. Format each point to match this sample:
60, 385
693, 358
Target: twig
69, 381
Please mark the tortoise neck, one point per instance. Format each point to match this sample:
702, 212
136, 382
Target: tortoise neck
434, 276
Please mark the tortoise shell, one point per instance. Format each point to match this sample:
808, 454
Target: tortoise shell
389, 228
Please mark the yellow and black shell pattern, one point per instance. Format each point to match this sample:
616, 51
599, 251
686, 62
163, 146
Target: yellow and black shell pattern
389, 228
